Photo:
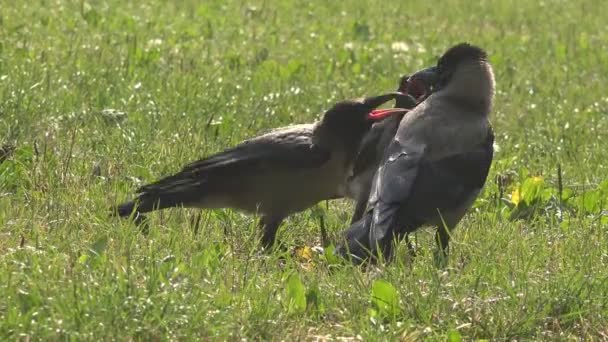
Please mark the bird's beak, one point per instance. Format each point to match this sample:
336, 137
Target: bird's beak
429, 76
424, 79
376, 101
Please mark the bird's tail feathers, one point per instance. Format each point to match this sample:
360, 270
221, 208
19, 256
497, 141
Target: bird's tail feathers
382, 228
355, 245
124, 209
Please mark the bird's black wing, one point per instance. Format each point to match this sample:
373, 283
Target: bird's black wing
284, 149
392, 186
292, 149
465, 172
409, 188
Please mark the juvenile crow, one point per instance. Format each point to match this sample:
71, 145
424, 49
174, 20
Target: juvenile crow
276, 174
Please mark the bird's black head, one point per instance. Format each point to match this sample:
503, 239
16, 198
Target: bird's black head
463, 74
463, 52
347, 121
455, 57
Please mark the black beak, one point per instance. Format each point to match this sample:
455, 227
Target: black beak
423, 83
376, 101
428, 76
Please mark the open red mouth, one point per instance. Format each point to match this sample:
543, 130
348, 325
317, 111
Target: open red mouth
417, 89
380, 114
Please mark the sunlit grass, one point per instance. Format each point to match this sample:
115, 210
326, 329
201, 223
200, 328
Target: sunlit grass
98, 97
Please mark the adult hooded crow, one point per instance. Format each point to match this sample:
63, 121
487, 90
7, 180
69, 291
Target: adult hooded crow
275, 174
438, 161
358, 185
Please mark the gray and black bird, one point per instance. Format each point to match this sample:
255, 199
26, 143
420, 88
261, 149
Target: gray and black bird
274, 175
358, 185
436, 164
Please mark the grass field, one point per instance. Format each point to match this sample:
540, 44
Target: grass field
97, 97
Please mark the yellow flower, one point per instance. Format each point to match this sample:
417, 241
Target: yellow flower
305, 253
515, 196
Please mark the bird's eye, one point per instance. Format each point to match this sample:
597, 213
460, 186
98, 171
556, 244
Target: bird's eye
441, 66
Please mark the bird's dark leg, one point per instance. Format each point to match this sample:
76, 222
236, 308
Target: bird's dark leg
443, 245
400, 236
269, 225
385, 246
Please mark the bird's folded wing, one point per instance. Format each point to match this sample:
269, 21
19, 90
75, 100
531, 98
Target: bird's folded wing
281, 150
392, 186
467, 169
443, 184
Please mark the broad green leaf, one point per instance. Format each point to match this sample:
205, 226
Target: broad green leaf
546, 194
604, 186
83, 259
531, 189
330, 255
385, 297
296, 293
454, 336
567, 194
591, 201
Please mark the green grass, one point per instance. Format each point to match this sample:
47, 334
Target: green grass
194, 78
